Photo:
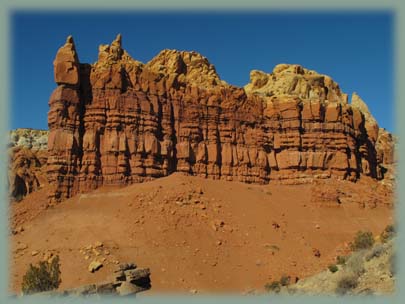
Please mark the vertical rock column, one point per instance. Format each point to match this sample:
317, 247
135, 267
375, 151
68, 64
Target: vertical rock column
64, 119
367, 141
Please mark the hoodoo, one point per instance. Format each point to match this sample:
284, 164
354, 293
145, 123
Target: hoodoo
119, 121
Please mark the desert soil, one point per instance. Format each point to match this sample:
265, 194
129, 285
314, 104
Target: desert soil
195, 234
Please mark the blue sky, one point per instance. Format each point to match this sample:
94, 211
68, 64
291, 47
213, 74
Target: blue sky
355, 49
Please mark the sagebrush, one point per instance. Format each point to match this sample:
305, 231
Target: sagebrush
375, 252
273, 287
388, 233
346, 283
362, 240
355, 263
341, 260
285, 280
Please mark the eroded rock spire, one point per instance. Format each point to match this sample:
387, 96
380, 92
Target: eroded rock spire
69, 39
109, 54
370, 124
66, 64
117, 40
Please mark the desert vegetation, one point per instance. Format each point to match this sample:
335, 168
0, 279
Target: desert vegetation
362, 240
369, 269
333, 268
43, 277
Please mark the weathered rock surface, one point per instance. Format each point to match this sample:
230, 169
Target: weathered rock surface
27, 160
119, 121
26, 171
386, 155
95, 265
66, 64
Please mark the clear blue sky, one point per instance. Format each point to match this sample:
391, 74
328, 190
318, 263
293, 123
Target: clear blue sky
355, 49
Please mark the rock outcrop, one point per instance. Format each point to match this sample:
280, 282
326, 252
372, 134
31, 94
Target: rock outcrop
29, 138
386, 155
127, 280
26, 171
119, 121
27, 161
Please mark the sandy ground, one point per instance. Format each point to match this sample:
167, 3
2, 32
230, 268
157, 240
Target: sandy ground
195, 234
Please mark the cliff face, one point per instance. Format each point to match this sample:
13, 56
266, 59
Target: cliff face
119, 121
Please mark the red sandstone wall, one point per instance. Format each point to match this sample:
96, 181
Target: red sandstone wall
119, 121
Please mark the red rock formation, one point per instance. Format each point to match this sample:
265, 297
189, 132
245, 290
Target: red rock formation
119, 121
26, 171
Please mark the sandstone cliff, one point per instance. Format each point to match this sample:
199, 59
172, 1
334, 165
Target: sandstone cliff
119, 121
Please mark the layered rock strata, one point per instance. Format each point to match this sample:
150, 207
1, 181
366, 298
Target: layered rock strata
119, 121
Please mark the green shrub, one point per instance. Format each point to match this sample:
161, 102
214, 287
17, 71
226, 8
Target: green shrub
285, 280
273, 287
333, 268
388, 233
341, 260
346, 283
362, 240
44, 277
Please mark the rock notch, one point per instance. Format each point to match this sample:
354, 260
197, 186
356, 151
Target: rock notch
119, 121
